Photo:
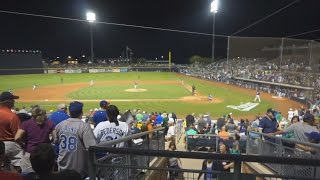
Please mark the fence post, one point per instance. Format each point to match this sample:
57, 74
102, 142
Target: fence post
237, 170
92, 168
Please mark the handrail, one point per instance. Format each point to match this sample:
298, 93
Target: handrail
286, 139
128, 138
198, 155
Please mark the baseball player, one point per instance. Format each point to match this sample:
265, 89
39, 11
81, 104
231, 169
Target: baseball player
74, 137
91, 83
210, 97
113, 129
135, 85
257, 97
34, 87
193, 90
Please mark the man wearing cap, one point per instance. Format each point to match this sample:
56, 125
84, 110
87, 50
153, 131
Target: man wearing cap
101, 114
60, 115
74, 138
268, 124
314, 137
9, 125
299, 130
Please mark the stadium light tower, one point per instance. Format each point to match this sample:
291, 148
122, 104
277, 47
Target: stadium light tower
214, 10
91, 17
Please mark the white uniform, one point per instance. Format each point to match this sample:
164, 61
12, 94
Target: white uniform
91, 83
34, 87
257, 97
106, 131
135, 85
290, 114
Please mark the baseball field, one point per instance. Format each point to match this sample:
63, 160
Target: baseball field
155, 91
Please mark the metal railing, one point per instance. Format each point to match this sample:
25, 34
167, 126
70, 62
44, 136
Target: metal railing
150, 140
156, 172
211, 141
261, 144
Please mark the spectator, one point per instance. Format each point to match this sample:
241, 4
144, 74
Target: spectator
9, 125
42, 160
171, 131
268, 124
223, 134
74, 138
202, 124
60, 115
174, 163
299, 130
242, 127
101, 115
112, 129
159, 120
220, 122
231, 127
216, 165
313, 137
165, 122
33, 132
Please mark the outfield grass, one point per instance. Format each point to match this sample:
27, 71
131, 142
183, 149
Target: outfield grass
162, 91
229, 95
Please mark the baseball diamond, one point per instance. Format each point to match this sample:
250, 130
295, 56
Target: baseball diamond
157, 92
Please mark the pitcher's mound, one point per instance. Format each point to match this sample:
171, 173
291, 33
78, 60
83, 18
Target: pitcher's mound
136, 90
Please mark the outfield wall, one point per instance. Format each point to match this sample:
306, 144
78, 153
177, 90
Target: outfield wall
20, 63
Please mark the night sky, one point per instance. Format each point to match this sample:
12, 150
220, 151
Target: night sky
62, 38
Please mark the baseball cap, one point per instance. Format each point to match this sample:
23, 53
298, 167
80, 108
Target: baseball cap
103, 103
270, 110
7, 96
314, 136
75, 106
308, 117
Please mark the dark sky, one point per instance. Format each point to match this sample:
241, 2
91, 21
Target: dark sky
62, 38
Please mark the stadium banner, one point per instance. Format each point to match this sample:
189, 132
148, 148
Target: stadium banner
123, 70
97, 70
244, 106
71, 71
108, 70
115, 70
60, 71
52, 71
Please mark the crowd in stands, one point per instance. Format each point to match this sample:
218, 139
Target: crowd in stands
40, 145
291, 73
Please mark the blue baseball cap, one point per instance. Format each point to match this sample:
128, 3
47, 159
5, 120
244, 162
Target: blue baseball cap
75, 106
103, 103
308, 117
314, 136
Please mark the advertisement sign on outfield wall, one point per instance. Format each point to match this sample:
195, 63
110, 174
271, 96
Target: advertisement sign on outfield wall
123, 70
71, 71
115, 70
60, 71
52, 71
97, 70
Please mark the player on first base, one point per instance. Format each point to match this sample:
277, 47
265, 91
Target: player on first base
257, 97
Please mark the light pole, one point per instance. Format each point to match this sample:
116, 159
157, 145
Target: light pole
91, 17
214, 10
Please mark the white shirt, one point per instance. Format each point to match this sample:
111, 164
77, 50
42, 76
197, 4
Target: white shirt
106, 131
290, 115
170, 132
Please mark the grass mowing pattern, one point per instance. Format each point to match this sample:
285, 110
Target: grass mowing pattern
230, 96
162, 91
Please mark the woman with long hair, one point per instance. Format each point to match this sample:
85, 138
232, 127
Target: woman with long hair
33, 132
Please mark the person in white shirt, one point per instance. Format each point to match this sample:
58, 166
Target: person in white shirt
171, 130
112, 129
290, 114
